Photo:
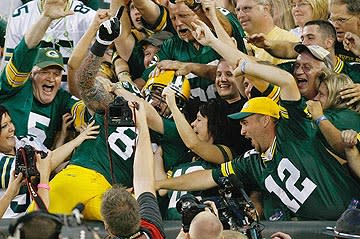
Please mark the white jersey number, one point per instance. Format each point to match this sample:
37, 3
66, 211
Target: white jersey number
120, 135
300, 196
177, 194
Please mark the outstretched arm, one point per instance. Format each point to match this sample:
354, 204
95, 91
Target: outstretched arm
11, 191
144, 177
279, 49
53, 9
196, 181
206, 150
149, 10
82, 48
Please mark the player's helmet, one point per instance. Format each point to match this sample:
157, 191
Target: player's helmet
180, 84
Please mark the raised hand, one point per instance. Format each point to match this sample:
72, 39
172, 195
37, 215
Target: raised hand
349, 137
351, 42
259, 40
351, 91
90, 132
202, 33
55, 9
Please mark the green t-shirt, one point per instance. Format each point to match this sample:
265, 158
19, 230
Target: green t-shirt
186, 168
29, 116
93, 154
296, 171
347, 56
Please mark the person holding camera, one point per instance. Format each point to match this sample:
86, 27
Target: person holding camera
128, 217
15, 155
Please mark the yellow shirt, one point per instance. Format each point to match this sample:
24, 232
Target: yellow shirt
275, 34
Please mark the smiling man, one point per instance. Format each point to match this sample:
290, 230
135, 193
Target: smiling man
36, 103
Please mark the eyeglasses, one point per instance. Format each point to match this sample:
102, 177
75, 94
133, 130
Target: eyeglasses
299, 5
340, 20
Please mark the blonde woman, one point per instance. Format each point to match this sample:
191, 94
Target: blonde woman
307, 10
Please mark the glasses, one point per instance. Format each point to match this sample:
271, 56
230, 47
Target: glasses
340, 20
299, 5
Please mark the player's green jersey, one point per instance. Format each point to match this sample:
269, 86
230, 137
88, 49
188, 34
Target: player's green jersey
347, 56
342, 119
21, 201
185, 168
296, 170
93, 154
29, 116
175, 151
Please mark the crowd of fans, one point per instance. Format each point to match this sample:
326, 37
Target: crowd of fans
268, 90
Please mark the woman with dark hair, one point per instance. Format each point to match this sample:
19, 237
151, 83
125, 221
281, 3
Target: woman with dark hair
8, 147
207, 140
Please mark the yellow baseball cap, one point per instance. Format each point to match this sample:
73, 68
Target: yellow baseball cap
258, 105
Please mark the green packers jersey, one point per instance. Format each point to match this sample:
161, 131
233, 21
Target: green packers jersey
352, 70
136, 61
29, 116
347, 56
296, 171
21, 201
94, 153
175, 151
185, 168
342, 119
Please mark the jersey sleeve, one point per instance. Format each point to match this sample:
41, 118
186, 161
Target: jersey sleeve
163, 23
240, 166
7, 165
17, 71
150, 213
295, 120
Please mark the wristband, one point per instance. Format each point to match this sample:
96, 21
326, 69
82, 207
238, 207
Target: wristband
98, 49
43, 185
123, 73
321, 118
243, 65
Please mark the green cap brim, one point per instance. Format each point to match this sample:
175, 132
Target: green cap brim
44, 64
240, 115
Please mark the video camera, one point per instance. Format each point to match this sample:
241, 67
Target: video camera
120, 113
189, 206
235, 209
25, 160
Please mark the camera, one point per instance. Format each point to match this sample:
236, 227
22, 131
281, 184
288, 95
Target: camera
120, 113
25, 160
189, 206
236, 211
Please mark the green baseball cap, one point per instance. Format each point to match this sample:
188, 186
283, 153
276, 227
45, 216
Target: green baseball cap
49, 57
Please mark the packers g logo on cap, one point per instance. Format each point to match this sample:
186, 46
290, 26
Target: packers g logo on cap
52, 54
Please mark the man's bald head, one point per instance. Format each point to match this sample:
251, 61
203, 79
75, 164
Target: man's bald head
205, 225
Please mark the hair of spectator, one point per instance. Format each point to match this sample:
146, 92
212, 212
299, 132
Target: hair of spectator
320, 9
217, 120
284, 17
334, 82
3, 111
45, 228
120, 212
326, 28
353, 6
